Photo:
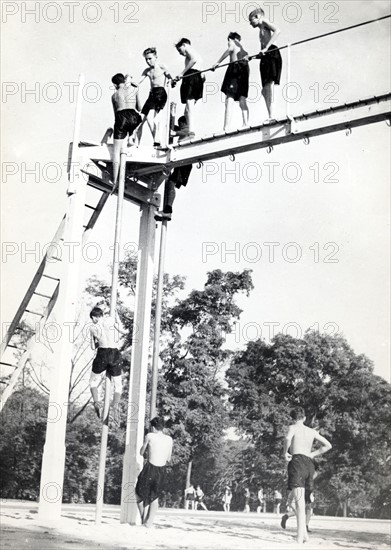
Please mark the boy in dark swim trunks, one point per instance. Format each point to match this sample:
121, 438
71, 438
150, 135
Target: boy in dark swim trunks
126, 105
235, 83
157, 73
271, 62
298, 453
192, 86
150, 480
104, 334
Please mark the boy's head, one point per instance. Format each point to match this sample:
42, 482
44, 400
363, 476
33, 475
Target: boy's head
182, 122
255, 17
157, 423
234, 36
96, 313
150, 55
118, 79
297, 414
182, 45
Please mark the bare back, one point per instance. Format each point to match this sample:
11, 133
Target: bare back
124, 98
302, 439
159, 448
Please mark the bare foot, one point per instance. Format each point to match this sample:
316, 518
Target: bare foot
98, 409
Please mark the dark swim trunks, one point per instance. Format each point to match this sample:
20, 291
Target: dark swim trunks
156, 101
192, 86
235, 83
126, 121
107, 359
180, 175
271, 65
301, 471
150, 482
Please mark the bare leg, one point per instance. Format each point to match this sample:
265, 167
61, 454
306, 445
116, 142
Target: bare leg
298, 496
228, 112
245, 111
150, 513
267, 92
140, 506
151, 122
189, 114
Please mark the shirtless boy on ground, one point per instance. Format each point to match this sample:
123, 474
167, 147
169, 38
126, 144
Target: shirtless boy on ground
125, 105
271, 62
151, 478
298, 453
157, 74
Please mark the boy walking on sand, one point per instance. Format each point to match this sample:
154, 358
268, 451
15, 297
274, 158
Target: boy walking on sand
271, 62
157, 73
236, 79
151, 479
298, 453
192, 86
126, 106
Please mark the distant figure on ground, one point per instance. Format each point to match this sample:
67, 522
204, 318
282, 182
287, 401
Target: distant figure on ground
178, 177
261, 500
277, 499
105, 335
227, 499
157, 99
151, 479
236, 79
190, 497
192, 85
247, 496
199, 498
298, 453
126, 106
292, 512
271, 62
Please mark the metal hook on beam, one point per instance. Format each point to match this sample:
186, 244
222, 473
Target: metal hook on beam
348, 131
232, 157
200, 164
269, 149
388, 122
306, 140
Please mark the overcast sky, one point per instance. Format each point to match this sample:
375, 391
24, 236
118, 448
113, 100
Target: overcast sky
325, 205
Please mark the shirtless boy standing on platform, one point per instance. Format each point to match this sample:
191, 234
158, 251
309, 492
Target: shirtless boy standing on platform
151, 479
126, 106
157, 73
298, 453
271, 62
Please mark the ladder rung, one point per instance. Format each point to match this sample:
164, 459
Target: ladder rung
56, 258
25, 330
89, 206
34, 312
50, 277
7, 364
42, 295
16, 347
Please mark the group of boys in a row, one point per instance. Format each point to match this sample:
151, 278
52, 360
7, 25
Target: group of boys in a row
235, 86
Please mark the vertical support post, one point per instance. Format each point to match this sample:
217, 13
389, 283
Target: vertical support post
165, 134
288, 78
53, 460
139, 366
113, 305
158, 318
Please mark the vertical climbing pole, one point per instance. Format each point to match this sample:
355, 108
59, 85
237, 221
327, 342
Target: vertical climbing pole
158, 317
139, 365
53, 460
288, 78
113, 306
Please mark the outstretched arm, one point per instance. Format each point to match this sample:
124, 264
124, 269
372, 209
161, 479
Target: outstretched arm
225, 54
145, 445
326, 445
287, 444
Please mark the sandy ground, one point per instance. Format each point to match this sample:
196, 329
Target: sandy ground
176, 529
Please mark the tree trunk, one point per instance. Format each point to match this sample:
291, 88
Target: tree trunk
188, 473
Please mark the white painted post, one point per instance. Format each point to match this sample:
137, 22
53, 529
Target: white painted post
53, 460
133, 461
288, 78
